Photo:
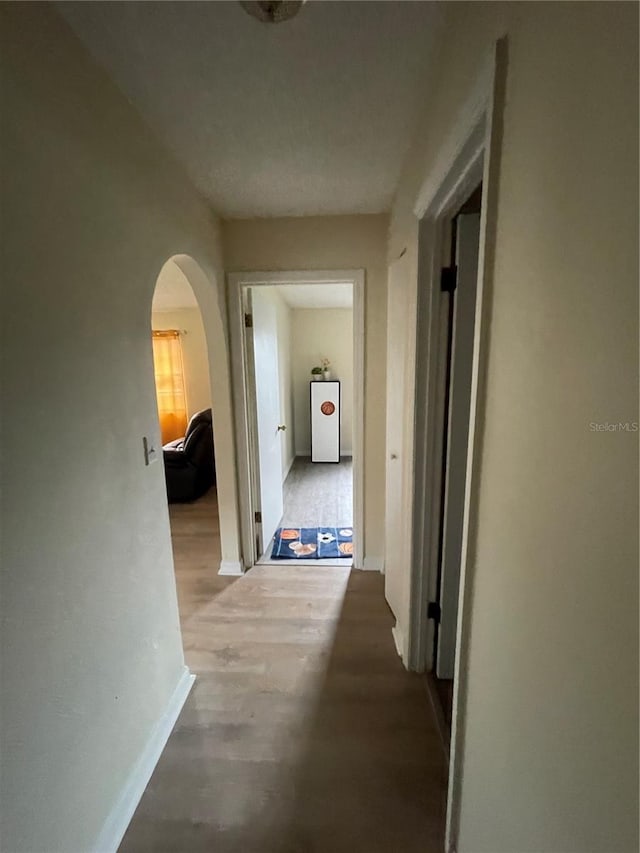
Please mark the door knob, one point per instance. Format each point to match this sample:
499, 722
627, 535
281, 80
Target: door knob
394, 455
282, 427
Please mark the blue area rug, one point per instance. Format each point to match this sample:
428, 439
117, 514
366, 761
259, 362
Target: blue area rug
312, 543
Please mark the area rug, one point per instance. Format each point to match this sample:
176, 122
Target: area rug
312, 543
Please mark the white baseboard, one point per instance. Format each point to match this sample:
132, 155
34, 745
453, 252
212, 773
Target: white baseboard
373, 564
308, 452
289, 467
231, 567
397, 639
118, 820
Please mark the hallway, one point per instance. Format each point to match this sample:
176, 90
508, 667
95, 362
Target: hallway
316, 494
303, 732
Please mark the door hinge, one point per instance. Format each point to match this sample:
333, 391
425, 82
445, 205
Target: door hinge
448, 279
248, 321
257, 517
433, 611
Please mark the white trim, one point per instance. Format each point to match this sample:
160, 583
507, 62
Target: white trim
335, 563
469, 118
119, 817
231, 567
488, 226
373, 564
470, 155
289, 466
357, 450
237, 284
398, 639
466, 173
347, 453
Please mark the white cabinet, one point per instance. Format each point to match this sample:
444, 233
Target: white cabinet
325, 421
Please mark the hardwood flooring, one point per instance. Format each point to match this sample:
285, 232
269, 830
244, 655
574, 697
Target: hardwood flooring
318, 494
195, 535
303, 732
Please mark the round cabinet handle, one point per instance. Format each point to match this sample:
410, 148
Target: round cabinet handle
282, 427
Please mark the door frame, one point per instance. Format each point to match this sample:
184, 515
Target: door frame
470, 156
244, 394
455, 452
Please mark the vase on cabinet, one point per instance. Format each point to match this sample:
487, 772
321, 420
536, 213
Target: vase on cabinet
326, 375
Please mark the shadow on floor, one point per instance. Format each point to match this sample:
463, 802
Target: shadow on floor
305, 735
371, 775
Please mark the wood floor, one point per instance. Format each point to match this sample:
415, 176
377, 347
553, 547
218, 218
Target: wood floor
195, 534
318, 494
303, 732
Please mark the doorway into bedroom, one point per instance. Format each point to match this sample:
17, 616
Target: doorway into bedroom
183, 394
301, 382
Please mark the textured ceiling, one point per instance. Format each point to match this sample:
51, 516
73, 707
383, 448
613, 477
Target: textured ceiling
311, 116
317, 295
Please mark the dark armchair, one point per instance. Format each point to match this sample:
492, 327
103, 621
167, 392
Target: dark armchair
189, 468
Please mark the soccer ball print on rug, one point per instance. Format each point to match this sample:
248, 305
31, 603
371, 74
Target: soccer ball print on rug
312, 543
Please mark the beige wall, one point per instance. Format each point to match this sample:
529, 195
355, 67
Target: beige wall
325, 243
550, 741
318, 333
194, 353
91, 646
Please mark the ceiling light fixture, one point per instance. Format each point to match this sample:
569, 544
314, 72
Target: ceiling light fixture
272, 11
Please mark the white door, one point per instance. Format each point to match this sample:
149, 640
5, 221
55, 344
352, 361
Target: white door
395, 545
468, 238
267, 386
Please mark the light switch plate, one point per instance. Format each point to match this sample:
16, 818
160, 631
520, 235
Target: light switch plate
150, 453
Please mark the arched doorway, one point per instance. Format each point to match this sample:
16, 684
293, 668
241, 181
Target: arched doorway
192, 382
185, 415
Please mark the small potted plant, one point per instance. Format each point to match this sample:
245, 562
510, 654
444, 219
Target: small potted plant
316, 373
326, 369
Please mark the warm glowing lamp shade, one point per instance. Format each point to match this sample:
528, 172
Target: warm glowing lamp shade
169, 373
